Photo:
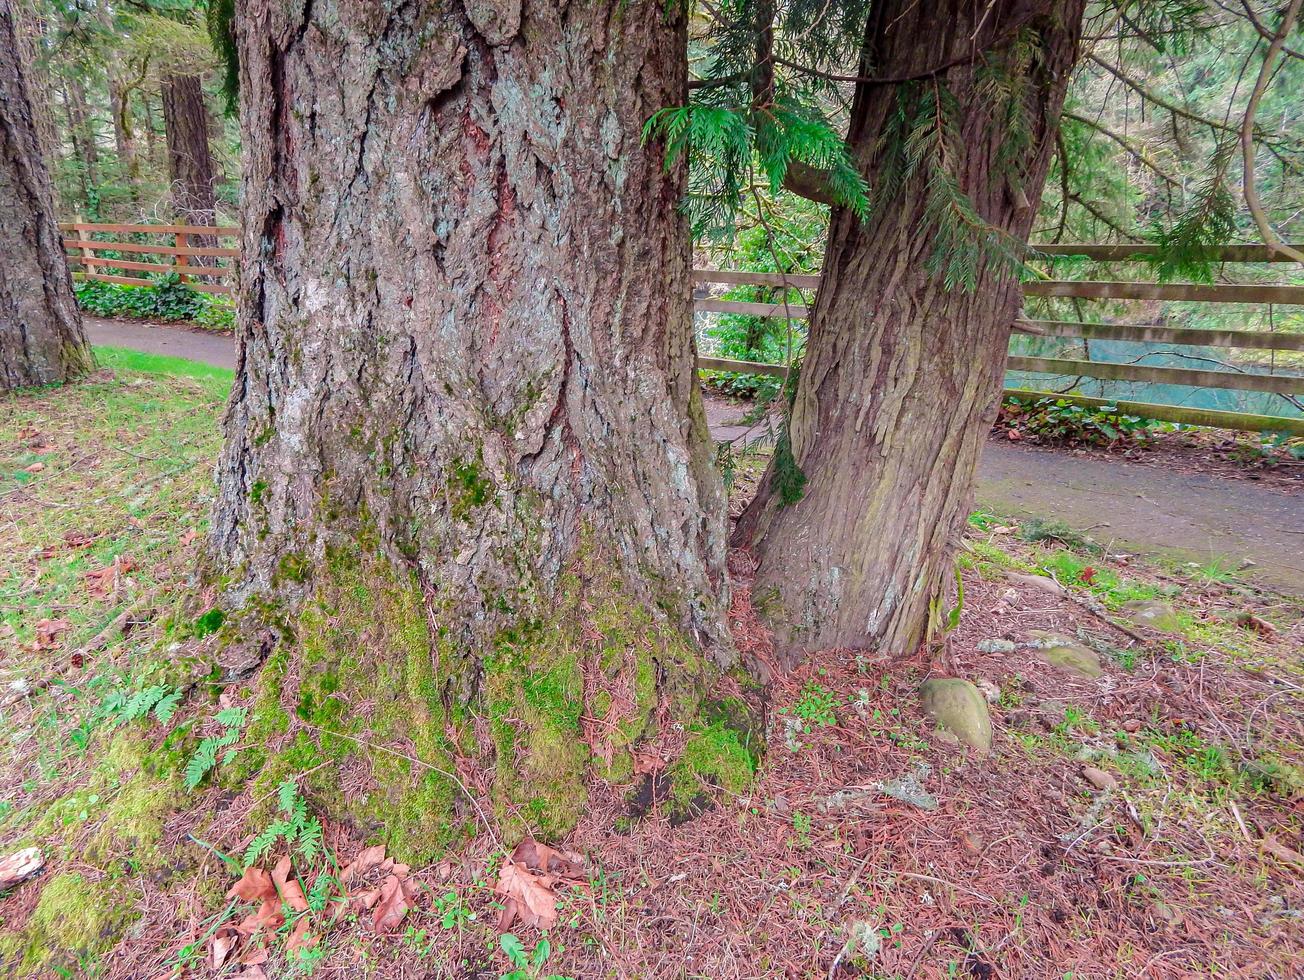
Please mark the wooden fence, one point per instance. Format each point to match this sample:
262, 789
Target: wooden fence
91, 247
1282, 384
96, 247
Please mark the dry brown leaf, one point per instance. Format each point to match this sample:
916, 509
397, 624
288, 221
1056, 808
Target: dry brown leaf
300, 938
290, 889
102, 581
527, 881
396, 897
188, 537
223, 943
251, 973
254, 886
34, 468
47, 632
368, 859
254, 956
647, 762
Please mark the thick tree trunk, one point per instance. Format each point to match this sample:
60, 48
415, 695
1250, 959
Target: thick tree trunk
901, 374
190, 159
466, 355
29, 24
41, 339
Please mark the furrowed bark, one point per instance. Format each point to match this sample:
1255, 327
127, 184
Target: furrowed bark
901, 375
465, 343
190, 159
41, 339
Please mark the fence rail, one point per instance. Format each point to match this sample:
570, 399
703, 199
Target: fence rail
1281, 384
100, 253
86, 252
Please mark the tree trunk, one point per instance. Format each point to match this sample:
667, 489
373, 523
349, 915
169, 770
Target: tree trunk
124, 134
466, 375
85, 140
41, 339
29, 25
190, 161
901, 375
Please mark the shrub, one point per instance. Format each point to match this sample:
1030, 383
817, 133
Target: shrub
167, 299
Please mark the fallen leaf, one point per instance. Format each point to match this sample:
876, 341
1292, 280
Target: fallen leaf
223, 943
34, 468
102, 581
1250, 621
47, 632
527, 881
396, 897
254, 956
290, 889
646, 762
367, 860
254, 885
188, 537
300, 938
1284, 854
251, 973
1087, 574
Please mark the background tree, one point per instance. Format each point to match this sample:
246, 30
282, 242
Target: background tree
854, 524
466, 418
41, 339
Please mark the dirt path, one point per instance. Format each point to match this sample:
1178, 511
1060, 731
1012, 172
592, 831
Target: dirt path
1128, 506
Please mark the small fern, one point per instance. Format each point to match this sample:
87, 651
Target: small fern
300, 830
206, 754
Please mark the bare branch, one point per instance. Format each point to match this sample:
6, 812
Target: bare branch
1251, 192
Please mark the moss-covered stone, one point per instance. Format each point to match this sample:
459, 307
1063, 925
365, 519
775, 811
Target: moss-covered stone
958, 707
1067, 654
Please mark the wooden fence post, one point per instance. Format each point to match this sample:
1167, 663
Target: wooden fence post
87, 255
182, 241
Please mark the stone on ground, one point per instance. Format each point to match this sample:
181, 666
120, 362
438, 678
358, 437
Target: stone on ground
958, 707
1153, 613
1066, 654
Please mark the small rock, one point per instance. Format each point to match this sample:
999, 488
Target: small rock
1132, 725
909, 788
1010, 597
1153, 613
996, 646
1036, 582
957, 706
1066, 654
1099, 778
989, 689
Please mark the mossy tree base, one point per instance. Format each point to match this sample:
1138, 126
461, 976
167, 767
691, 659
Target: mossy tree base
368, 701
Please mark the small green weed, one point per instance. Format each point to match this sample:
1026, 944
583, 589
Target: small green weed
206, 756
527, 966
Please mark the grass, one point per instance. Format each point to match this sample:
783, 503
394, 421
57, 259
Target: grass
115, 469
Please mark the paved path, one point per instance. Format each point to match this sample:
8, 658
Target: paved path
1130, 506
194, 345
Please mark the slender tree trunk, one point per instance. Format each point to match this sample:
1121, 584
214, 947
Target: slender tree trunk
466, 369
124, 134
75, 138
83, 129
151, 133
901, 375
190, 161
41, 339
